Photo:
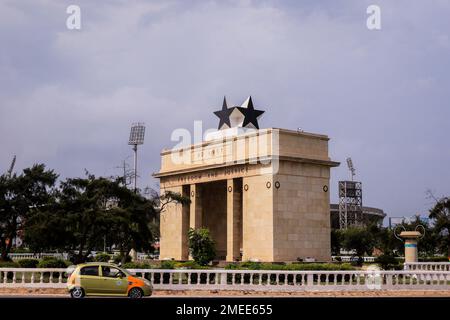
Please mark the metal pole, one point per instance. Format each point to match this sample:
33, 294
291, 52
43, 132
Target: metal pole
135, 167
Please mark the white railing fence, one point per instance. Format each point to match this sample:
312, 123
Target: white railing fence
252, 280
428, 266
33, 277
21, 256
351, 258
65, 256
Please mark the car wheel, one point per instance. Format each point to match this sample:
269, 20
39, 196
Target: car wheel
135, 293
77, 293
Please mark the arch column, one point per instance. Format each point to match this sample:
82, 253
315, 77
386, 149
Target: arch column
234, 219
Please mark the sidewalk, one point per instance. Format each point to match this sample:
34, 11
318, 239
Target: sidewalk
225, 293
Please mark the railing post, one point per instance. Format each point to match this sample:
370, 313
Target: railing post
310, 279
388, 280
223, 278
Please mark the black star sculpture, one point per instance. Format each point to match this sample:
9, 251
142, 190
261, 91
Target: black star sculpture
224, 114
250, 114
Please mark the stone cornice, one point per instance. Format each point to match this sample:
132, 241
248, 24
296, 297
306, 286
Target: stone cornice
251, 161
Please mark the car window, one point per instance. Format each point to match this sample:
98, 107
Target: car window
89, 271
111, 272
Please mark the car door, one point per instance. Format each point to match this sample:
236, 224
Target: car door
114, 280
90, 279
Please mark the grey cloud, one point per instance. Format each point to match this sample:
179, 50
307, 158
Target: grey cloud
67, 98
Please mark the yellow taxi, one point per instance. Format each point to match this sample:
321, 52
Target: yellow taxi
105, 279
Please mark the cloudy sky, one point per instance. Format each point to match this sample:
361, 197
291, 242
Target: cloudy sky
68, 97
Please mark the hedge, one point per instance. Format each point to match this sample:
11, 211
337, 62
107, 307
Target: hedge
291, 266
28, 263
53, 263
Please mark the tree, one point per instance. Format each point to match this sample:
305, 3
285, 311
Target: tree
201, 246
385, 240
428, 244
440, 214
358, 239
87, 212
130, 222
336, 242
20, 197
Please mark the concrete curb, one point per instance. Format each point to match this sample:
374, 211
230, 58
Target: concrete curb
61, 292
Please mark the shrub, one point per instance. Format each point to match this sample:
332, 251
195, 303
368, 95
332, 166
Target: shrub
20, 250
47, 258
53, 263
118, 259
291, 267
252, 265
201, 246
168, 264
102, 257
387, 262
189, 265
8, 264
434, 259
28, 263
134, 265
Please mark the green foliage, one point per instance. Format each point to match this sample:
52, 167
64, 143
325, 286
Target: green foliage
388, 262
336, 242
358, 239
189, 265
20, 250
434, 259
134, 265
289, 267
21, 196
90, 211
122, 259
428, 244
168, 264
8, 264
53, 263
172, 197
102, 257
440, 214
28, 263
201, 246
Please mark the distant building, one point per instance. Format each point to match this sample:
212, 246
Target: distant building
369, 215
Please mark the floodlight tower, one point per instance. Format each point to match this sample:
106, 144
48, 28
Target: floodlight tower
136, 138
351, 167
350, 200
